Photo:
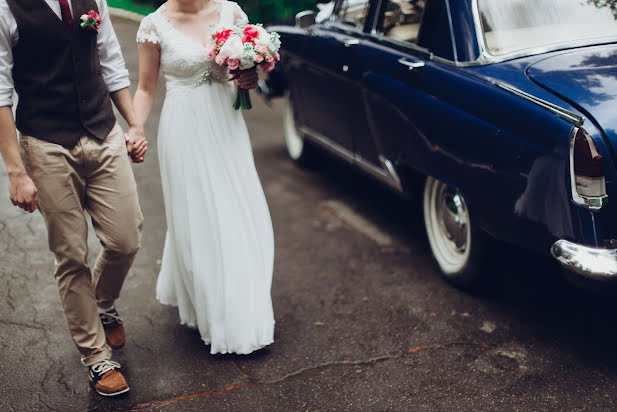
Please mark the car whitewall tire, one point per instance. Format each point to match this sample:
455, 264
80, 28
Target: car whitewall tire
299, 149
457, 247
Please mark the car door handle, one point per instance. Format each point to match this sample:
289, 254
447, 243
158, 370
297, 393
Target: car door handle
351, 42
411, 65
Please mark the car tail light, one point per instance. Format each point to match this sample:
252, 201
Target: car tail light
588, 171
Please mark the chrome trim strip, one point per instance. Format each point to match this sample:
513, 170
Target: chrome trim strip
327, 143
491, 58
376, 17
588, 262
396, 180
484, 54
565, 114
590, 203
387, 175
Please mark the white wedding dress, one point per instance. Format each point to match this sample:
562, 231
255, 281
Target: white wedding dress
219, 249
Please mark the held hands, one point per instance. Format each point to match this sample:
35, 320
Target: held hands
246, 79
23, 192
136, 144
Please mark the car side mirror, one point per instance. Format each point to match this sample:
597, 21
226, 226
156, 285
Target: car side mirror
305, 19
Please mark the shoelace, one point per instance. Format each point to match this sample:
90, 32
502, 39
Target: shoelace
110, 317
104, 366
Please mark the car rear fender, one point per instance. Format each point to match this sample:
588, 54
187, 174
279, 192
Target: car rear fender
508, 156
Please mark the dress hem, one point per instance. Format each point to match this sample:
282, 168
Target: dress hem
253, 348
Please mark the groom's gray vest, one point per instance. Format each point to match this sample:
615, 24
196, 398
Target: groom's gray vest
57, 75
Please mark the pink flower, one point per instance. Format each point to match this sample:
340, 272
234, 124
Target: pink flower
220, 60
222, 36
251, 31
233, 64
269, 58
277, 57
261, 49
212, 51
268, 67
248, 39
95, 16
259, 58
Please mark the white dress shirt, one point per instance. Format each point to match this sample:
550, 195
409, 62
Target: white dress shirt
114, 71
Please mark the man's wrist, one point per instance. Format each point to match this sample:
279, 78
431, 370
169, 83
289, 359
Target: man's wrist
136, 127
17, 173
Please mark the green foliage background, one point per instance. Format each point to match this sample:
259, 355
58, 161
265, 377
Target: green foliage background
268, 11
259, 11
611, 4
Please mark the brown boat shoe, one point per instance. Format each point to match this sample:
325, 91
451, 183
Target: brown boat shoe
114, 330
105, 378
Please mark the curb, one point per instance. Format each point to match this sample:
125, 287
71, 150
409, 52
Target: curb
125, 14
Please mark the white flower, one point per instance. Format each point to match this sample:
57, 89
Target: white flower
248, 57
263, 33
232, 49
274, 44
84, 18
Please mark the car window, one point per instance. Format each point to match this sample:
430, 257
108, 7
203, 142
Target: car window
400, 19
353, 13
421, 22
511, 26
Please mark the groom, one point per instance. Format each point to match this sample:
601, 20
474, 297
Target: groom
74, 158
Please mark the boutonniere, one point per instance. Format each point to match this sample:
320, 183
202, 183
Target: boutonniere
91, 21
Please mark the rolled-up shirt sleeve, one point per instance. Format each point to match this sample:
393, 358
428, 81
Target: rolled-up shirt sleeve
6, 58
115, 74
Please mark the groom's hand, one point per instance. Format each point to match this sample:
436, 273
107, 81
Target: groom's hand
23, 192
247, 79
136, 144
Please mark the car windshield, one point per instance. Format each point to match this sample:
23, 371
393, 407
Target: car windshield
514, 25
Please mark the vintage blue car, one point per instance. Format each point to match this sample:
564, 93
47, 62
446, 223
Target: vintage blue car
505, 109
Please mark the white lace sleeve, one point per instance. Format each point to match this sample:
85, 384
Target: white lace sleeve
239, 16
147, 31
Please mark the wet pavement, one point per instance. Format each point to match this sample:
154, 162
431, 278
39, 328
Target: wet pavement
364, 321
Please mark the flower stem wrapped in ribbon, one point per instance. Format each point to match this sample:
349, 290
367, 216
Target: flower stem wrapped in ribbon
242, 48
91, 21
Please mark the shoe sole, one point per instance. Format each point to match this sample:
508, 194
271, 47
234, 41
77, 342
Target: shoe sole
112, 394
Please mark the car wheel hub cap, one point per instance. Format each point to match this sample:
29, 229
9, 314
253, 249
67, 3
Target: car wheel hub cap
453, 218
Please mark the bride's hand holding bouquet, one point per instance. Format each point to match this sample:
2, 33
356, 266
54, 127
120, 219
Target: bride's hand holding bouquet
243, 48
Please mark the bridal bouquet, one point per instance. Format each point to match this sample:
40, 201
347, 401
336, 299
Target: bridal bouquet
242, 48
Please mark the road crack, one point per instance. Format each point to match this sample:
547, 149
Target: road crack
25, 325
143, 348
248, 381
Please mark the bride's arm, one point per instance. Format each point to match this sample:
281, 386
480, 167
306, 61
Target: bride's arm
149, 63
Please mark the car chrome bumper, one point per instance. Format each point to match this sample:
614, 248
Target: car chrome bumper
589, 262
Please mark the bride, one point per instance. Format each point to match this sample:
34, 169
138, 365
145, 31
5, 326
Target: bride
219, 249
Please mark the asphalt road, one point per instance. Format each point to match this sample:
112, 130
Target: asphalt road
364, 322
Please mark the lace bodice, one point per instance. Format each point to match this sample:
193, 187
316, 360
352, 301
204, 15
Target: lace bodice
184, 61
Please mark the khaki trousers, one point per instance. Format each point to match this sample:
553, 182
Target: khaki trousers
95, 177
